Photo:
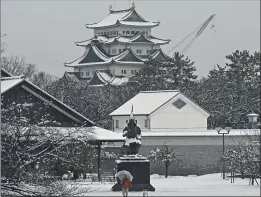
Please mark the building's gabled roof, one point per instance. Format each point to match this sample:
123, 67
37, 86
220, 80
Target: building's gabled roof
128, 56
123, 17
7, 83
140, 37
104, 77
147, 102
159, 54
92, 56
4, 73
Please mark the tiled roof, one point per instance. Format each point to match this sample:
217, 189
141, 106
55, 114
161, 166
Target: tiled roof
122, 17
123, 39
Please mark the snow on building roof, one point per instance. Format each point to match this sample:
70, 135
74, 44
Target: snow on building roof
8, 83
145, 102
128, 56
158, 54
4, 73
92, 56
123, 39
104, 77
118, 17
198, 132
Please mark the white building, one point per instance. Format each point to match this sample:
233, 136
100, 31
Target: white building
122, 42
161, 111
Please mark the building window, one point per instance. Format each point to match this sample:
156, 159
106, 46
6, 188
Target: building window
114, 32
113, 51
127, 121
133, 72
117, 32
101, 33
123, 71
109, 51
148, 51
113, 72
146, 33
146, 123
93, 73
119, 50
143, 32
116, 123
111, 32
82, 74
137, 32
87, 73
127, 32
179, 103
132, 32
123, 32
139, 51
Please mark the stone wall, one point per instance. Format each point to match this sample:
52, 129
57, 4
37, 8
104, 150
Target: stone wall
196, 155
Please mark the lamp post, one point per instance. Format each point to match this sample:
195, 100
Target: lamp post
252, 121
223, 132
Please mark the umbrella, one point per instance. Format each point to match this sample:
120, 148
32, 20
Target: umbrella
122, 173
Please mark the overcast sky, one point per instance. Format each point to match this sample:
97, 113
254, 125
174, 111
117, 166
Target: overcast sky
44, 32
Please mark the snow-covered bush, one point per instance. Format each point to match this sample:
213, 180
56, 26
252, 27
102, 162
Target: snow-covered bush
164, 155
30, 153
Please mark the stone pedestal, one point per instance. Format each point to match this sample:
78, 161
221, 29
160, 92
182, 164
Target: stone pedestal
139, 167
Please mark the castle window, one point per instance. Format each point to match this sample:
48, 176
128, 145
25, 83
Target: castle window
127, 32
82, 74
139, 51
116, 123
132, 32
117, 32
146, 123
127, 121
87, 73
137, 32
148, 51
101, 33
109, 51
146, 32
123, 32
123, 71
93, 73
119, 50
179, 103
114, 32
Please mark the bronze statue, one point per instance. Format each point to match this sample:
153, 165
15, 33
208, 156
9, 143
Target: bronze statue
132, 132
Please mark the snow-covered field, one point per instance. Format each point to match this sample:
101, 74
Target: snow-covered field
207, 185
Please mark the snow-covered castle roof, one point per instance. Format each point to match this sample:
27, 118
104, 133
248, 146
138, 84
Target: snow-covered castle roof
127, 17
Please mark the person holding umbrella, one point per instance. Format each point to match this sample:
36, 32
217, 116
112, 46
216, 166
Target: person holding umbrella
126, 184
126, 179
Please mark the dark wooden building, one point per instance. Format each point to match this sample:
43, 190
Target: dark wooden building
16, 89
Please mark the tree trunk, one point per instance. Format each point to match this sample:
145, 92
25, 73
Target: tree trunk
166, 169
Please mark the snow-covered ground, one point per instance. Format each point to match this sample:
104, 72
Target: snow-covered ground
207, 185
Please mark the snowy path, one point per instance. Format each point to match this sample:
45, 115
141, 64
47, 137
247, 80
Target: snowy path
207, 185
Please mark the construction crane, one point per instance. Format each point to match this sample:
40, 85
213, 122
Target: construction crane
199, 31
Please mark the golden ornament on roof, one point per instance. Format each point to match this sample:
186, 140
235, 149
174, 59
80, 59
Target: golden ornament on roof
133, 5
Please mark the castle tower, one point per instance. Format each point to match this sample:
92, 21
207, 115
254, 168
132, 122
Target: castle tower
122, 42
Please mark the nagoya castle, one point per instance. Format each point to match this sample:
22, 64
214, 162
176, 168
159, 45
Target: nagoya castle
122, 42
